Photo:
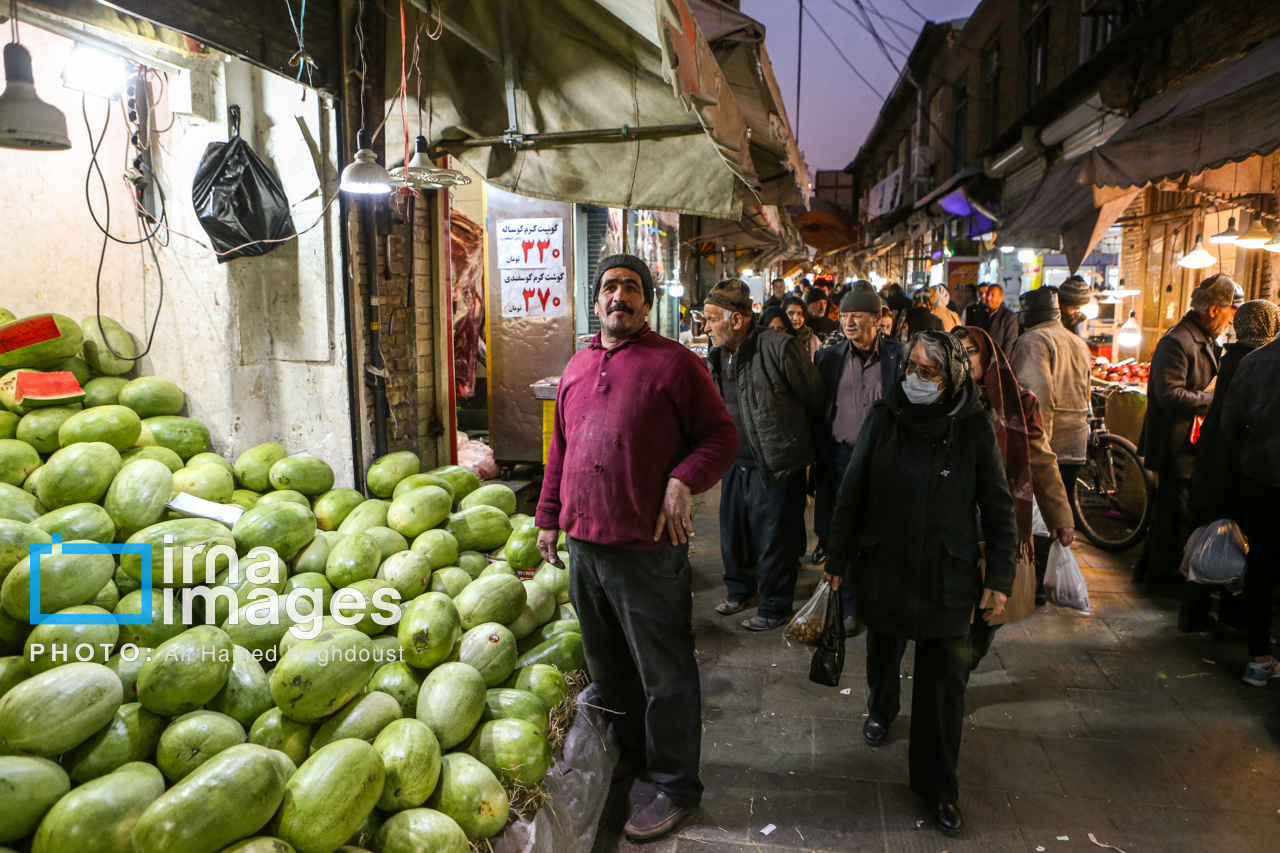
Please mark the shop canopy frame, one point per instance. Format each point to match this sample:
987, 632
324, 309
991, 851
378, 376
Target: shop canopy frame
612, 102
1220, 116
1062, 215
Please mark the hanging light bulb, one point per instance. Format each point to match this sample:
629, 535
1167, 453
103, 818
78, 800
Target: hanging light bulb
1130, 333
1230, 235
26, 121
1198, 258
1255, 237
1090, 309
363, 175
424, 174
1026, 256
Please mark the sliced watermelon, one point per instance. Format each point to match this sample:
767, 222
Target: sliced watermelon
41, 390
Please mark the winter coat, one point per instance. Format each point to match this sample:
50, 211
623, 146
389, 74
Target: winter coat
949, 318
924, 487
1002, 326
780, 394
1054, 364
831, 361
1184, 363
1215, 476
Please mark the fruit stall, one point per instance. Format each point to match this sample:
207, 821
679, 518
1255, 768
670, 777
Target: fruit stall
298, 667
1123, 386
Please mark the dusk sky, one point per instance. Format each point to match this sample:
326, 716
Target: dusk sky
836, 108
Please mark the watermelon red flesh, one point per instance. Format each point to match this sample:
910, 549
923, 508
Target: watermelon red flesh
40, 390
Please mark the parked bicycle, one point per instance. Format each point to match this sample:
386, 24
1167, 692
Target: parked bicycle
1114, 493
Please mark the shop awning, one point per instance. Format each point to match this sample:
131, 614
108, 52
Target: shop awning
1224, 115
738, 44
1061, 215
611, 102
764, 234
826, 227
961, 196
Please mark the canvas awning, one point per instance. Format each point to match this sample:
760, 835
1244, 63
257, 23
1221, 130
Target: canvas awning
1061, 215
738, 43
1223, 115
612, 102
764, 234
961, 196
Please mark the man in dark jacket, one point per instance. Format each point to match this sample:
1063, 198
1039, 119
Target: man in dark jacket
1216, 477
1001, 323
815, 302
856, 372
778, 292
773, 394
1179, 391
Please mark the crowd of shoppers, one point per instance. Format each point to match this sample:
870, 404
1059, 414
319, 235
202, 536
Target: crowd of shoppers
958, 419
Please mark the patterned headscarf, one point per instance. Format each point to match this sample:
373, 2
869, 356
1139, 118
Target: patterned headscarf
1257, 323
954, 365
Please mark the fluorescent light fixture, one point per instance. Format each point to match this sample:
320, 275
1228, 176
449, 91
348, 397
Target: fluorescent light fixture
1255, 237
95, 72
1026, 256
424, 174
1198, 258
26, 121
1007, 249
748, 273
1130, 333
363, 175
676, 290
1230, 235
1090, 309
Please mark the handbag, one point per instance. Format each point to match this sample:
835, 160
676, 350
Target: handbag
828, 657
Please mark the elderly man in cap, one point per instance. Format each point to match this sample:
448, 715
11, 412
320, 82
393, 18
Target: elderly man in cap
815, 303
638, 430
857, 372
1180, 388
1054, 363
773, 393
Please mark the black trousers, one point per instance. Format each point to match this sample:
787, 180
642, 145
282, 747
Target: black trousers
937, 705
761, 538
824, 506
1260, 523
1158, 567
636, 614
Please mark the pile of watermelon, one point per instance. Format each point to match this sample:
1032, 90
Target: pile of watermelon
400, 716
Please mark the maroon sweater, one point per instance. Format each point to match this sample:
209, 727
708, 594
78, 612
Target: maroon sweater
627, 419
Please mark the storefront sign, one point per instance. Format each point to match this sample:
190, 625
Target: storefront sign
531, 266
886, 195
528, 244
961, 272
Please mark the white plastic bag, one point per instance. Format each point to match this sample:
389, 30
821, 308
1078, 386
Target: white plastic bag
805, 628
1063, 581
1038, 527
1215, 553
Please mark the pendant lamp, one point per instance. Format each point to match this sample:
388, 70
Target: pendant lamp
1197, 258
1255, 237
424, 174
1230, 235
27, 122
364, 175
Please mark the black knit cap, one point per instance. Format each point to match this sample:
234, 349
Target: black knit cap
1039, 306
630, 262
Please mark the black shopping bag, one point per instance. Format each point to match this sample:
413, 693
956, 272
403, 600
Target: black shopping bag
828, 658
239, 198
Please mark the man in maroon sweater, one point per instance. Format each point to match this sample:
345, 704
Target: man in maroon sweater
639, 429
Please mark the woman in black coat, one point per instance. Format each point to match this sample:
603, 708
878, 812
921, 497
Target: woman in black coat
925, 488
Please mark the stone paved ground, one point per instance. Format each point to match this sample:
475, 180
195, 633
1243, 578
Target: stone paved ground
1112, 724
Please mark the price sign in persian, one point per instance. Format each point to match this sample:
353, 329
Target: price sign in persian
531, 267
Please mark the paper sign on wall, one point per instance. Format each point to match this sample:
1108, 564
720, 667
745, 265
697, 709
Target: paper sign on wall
531, 266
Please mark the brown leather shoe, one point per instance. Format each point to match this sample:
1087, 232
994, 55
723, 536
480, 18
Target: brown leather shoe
656, 818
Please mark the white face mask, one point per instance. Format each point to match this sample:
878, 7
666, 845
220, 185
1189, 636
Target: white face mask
920, 391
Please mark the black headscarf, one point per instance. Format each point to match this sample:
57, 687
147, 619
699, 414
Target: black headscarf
776, 313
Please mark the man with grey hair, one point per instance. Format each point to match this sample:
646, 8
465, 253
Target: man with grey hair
773, 393
1184, 370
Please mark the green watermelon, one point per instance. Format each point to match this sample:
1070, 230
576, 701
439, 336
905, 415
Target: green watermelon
555, 580
247, 694
108, 348
66, 580
39, 428
305, 474
463, 480
544, 681
481, 528
495, 598
415, 830
333, 507
91, 817
274, 730
186, 672
497, 495
46, 639
471, 794
16, 539
253, 467
563, 651
284, 527
103, 391
451, 701
472, 562
415, 512
399, 681
521, 550
388, 471
164, 455
184, 436
79, 473
371, 513
539, 608
285, 496
429, 627
132, 735
50, 713
417, 481
29, 788
450, 580
408, 572
139, 495
389, 542
210, 482
9, 424
330, 796
439, 546
411, 760
490, 649
118, 426
503, 703
17, 461
354, 558
516, 751
363, 718
19, 505
194, 738
151, 396
306, 689
313, 557
78, 521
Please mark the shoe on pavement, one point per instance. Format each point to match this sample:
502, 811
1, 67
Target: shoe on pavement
875, 733
948, 818
730, 606
1258, 674
820, 553
655, 818
762, 623
853, 627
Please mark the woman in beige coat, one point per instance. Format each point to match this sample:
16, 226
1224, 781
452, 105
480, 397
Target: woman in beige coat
1031, 468
941, 301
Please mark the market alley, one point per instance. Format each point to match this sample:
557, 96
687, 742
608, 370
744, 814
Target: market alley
1111, 724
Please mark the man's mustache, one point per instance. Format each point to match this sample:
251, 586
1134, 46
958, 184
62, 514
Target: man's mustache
620, 306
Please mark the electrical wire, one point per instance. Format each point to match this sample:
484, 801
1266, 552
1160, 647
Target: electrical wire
914, 9
842, 55
94, 147
865, 23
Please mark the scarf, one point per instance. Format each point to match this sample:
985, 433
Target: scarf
1017, 418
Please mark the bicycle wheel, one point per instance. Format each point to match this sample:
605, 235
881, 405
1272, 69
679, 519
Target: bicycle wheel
1114, 495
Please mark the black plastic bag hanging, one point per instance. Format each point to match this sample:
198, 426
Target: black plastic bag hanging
239, 198
828, 658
